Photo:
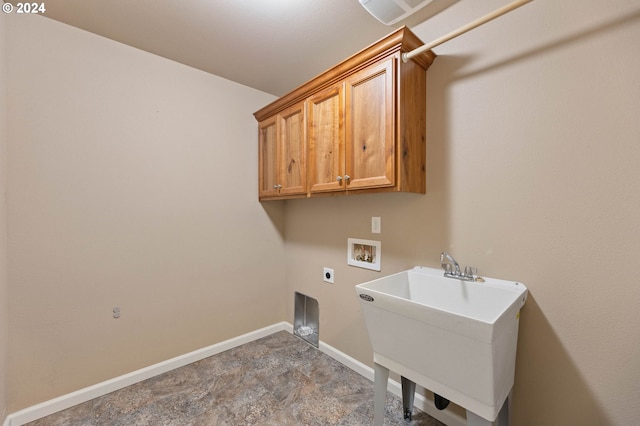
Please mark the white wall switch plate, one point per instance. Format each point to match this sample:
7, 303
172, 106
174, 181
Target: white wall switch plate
375, 225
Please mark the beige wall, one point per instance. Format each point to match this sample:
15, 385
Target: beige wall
132, 183
128, 191
533, 173
3, 228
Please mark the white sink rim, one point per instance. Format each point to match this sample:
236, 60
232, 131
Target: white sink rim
485, 302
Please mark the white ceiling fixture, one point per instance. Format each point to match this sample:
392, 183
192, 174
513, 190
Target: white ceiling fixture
390, 12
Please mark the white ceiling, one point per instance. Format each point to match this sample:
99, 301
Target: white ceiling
271, 45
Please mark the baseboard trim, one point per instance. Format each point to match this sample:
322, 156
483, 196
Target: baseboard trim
63, 402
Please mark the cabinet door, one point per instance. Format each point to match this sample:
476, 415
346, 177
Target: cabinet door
268, 157
370, 123
326, 140
293, 147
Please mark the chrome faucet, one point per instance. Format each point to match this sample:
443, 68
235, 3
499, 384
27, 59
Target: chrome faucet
452, 268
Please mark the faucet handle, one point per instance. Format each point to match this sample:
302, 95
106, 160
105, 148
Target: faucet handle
470, 271
446, 267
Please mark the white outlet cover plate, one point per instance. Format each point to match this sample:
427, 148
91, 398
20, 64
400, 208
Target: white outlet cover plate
327, 275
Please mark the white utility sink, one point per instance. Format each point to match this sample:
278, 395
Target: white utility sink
456, 338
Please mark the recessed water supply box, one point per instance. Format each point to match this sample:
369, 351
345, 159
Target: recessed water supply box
306, 316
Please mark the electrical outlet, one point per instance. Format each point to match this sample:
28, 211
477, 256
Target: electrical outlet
116, 312
327, 275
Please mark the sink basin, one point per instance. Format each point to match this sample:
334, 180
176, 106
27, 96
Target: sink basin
456, 338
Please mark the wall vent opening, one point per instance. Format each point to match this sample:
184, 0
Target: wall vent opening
306, 318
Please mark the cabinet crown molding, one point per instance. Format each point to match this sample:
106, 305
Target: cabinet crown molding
402, 40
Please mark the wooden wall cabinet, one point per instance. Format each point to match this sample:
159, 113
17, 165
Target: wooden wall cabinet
282, 154
357, 128
325, 121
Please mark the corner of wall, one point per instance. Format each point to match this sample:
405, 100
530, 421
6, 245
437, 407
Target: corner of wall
3, 229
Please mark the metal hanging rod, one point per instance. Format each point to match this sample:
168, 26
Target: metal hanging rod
471, 25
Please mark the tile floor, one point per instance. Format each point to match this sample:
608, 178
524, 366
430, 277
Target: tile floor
277, 380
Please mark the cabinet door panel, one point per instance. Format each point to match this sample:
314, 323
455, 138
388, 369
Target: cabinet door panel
370, 126
326, 140
293, 148
268, 157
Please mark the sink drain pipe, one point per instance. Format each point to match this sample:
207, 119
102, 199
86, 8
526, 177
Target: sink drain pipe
408, 393
440, 401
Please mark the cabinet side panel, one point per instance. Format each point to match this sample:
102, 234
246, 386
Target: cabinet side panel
412, 117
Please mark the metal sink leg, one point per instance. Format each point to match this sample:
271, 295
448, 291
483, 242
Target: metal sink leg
408, 393
381, 379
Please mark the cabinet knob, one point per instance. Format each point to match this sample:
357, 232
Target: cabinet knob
277, 186
347, 177
339, 178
